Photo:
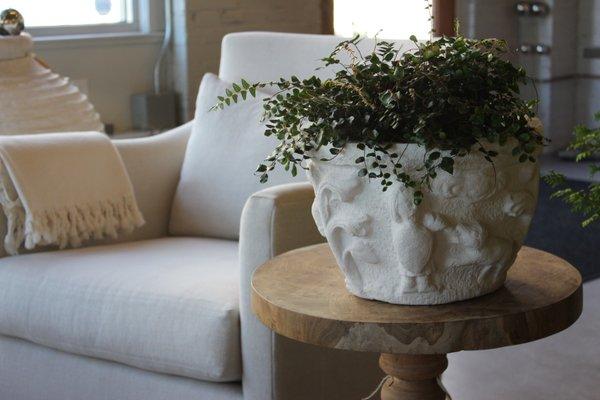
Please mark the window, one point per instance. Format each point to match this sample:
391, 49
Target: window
56, 17
388, 19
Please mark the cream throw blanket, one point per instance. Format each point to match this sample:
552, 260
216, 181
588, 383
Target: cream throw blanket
63, 189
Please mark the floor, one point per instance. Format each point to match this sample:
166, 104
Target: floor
565, 366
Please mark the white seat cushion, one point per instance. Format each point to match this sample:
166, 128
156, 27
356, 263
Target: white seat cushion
167, 305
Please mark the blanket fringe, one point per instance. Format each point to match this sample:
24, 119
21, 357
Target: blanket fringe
68, 226
71, 226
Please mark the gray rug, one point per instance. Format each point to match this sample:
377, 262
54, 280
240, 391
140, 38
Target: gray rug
556, 230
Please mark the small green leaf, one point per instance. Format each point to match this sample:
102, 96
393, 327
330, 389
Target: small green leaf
434, 155
524, 137
447, 164
529, 148
418, 197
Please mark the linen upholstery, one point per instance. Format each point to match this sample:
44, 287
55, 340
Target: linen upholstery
167, 305
154, 165
217, 175
274, 221
32, 372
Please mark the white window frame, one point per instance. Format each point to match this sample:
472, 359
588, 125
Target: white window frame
146, 18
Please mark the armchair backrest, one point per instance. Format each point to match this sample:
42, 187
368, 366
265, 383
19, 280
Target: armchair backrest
266, 56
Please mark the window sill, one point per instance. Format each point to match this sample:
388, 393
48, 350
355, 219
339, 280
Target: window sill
96, 40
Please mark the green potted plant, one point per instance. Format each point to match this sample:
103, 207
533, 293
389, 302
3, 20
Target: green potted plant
423, 162
585, 202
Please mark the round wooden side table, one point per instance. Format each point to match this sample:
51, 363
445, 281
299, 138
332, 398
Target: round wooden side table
301, 295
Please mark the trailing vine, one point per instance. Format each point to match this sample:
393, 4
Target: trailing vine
449, 95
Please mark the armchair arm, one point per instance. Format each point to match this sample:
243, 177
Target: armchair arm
274, 221
154, 164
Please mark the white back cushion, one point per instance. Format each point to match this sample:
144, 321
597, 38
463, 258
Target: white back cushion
267, 56
217, 176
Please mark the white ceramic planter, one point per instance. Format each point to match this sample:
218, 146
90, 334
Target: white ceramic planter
458, 244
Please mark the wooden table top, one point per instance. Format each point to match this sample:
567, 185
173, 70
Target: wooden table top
301, 295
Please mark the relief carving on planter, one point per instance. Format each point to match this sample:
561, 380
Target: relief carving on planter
413, 239
457, 244
346, 229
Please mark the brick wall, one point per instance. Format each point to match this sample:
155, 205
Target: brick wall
199, 26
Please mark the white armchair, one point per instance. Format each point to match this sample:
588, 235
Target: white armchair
150, 316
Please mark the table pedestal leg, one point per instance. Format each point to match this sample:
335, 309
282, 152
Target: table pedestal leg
414, 376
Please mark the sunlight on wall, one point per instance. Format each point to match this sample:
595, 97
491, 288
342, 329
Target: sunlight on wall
396, 19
